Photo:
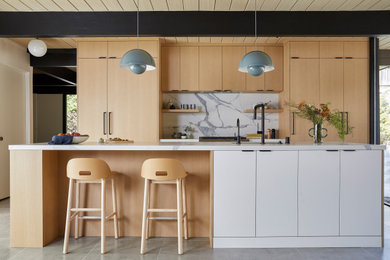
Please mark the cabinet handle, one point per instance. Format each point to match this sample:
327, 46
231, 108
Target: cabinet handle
247, 151
332, 150
293, 123
109, 123
349, 58
112, 57
265, 151
338, 58
1, 138
184, 90
102, 57
349, 150
347, 117
104, 123
294, 57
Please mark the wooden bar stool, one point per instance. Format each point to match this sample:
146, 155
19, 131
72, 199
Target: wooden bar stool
89, 170
165, 171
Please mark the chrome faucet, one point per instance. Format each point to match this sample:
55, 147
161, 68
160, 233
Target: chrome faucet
238, 131
262, 119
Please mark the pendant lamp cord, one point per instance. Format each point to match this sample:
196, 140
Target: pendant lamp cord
255, 24
137, 24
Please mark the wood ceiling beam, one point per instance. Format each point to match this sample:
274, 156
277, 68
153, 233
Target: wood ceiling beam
194, 23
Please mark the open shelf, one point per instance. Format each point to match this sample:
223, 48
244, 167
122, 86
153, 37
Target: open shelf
181, 111
279, 110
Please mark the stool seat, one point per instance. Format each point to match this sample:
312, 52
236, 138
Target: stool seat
89, 171
165, 171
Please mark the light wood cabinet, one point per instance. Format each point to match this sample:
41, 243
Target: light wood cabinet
304, 50
116, 49
210, 68
331, 50
254, 83
189, 68
232, 78
129, 116
361, 193
304, 86
273, 80
356, 103
234, 193
276, 209
92, 97
357, 50
331, 89
91, 50
318, 193
170, 68
113, 102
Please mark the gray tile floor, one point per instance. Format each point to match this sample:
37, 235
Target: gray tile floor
165, 248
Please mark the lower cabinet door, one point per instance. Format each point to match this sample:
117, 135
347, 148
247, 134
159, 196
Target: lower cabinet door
276, 203
318, 193
361, 193
234, 193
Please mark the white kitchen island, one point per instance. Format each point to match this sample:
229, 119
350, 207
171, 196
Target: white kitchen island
296, 195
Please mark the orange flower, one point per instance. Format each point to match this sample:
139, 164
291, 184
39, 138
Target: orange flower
301, 104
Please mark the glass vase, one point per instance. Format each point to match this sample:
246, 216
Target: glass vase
318, 133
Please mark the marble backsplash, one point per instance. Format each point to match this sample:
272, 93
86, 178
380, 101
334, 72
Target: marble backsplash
219, 113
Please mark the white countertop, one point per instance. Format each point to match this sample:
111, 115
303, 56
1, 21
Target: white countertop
197, 146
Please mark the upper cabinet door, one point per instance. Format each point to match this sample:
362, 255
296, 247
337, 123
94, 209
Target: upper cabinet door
92, 97
361, 193
234, 193
119, 48
304, 49
232, 78
356, 99
318, 193
210, 68
276, 208
356, 50
273, 80
91, 50
170, 68
254, 83
331, 50
189, 68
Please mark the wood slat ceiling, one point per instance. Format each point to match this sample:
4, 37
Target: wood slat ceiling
193, 5
64, 43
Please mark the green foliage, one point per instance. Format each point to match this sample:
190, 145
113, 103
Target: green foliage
71, 113
384, 111
323, 114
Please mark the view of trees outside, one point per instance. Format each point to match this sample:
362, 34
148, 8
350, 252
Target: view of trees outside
384, 83
71, 113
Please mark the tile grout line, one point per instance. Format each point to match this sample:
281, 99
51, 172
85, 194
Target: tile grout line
17, 253
89, 252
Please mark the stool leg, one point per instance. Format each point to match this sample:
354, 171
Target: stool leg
103, 217
67, 223
76, 221
113, 188
185, 209
145, 215
179, 217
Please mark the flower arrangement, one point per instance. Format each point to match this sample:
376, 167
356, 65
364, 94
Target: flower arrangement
323, 114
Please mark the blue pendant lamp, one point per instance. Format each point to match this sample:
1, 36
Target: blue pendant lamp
256, 62
137, 60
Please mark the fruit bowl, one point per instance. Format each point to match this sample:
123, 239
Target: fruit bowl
79, 139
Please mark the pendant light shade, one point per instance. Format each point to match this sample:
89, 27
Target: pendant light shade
255, 63
137, 61
37, 48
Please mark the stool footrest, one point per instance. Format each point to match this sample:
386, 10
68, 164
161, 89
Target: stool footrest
163, 182
162, 218
162, 210
85, 209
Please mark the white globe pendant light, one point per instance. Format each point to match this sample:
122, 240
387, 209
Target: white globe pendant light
137, 60
256, 62
37, 48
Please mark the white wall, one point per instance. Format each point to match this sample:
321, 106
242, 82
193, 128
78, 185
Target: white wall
47, 116
15, 89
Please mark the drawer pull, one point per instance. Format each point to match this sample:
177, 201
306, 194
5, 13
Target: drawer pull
247, 151
265, 151
349, 150
332, 150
